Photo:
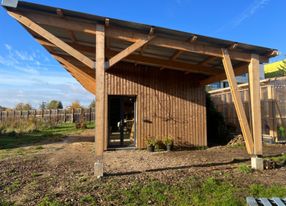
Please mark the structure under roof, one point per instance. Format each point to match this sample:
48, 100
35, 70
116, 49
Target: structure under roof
147, 77
161, 47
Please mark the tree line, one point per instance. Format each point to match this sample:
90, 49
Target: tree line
53, 104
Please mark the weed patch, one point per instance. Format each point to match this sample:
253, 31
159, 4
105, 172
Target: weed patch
244, 168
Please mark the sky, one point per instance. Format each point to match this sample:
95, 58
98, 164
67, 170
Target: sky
29, 74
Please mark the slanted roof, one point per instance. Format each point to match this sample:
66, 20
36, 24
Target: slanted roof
166, 48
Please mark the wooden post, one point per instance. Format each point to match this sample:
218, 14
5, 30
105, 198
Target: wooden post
99, 105
72, 116
237, 101
272, 114
254, 88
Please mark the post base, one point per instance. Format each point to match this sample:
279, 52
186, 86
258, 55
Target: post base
257, 163
98, 169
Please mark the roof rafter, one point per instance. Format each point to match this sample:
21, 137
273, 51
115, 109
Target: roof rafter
134, 36
127, 51
181, 66
85, 80
51, 38
222, 76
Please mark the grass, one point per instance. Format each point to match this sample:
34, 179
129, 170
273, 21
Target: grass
244, 168
12, 144
190, 191
279, 159
12, 140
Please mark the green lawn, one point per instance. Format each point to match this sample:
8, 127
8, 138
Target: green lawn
13, 140
186, 192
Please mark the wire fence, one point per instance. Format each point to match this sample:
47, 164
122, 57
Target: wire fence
273, 107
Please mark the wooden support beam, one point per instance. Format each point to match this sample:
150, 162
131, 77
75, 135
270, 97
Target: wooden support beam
210, 59
51, 38
131, 36
254, 88
84, 79
100, 103
222, 75
237, 102
180, 66
162, 63
126, 52
176, 55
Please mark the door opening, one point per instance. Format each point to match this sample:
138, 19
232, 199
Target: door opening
121, 121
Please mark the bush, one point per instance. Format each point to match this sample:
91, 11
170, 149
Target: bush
24, 126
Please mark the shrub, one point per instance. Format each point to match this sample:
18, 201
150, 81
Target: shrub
24, 126
151, 141
168, 141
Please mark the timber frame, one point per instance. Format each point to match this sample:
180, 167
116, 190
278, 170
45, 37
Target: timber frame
88, 46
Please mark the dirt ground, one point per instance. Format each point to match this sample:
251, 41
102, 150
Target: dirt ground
57, 168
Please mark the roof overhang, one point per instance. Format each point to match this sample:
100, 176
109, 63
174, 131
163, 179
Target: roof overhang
70, 37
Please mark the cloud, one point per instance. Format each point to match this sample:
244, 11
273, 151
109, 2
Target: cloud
250, 11
34, 77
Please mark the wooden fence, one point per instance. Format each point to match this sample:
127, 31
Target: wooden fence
273, 107
52, 115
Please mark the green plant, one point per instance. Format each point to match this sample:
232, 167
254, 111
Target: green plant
151, 141
88, 199
259, 190
47, 202
159, 145
244, 168
13, 187
281, 131
168, 140
5, 203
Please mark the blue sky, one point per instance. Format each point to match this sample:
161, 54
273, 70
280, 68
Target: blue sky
29, 74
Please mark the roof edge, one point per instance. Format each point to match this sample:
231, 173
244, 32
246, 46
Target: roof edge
10, 3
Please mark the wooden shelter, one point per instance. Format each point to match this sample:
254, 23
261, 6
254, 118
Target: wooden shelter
148, 81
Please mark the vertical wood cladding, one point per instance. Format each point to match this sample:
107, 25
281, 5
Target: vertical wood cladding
168, 103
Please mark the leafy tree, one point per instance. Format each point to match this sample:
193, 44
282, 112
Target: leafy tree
54, 104
75, 105
2, 108
43, 105
23, 106
282, 67
92, 104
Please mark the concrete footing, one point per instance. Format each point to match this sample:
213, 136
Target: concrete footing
98, 169
257, 163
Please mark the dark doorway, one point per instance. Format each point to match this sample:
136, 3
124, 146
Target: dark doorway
121, 121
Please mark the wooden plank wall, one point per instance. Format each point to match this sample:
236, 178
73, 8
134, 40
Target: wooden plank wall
168, 103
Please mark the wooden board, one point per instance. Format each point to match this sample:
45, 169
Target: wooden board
254, 86
237, 102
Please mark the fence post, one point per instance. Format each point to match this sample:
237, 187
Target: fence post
272, 115
50, 112
72, 116
65, 118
